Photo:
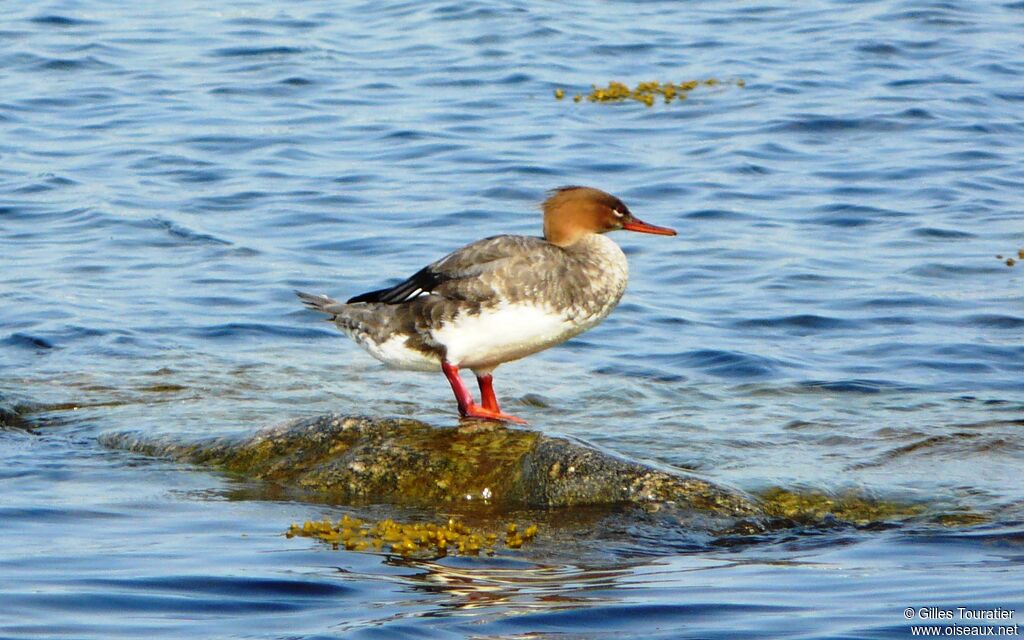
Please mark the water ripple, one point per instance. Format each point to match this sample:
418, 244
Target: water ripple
53, 20
245, 52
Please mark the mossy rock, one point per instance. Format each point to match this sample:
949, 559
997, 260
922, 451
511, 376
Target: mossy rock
12, 417
353, 460
816, 507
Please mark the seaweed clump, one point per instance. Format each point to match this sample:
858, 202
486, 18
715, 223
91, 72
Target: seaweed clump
645, 92
409, 539
1011, 261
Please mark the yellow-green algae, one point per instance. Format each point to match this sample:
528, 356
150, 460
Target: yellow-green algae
411, 538
961, 519
850, 507
645, 92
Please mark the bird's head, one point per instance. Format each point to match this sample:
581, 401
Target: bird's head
570, 213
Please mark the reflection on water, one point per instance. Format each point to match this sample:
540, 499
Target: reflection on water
519, 588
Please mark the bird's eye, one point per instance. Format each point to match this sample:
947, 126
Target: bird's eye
618, 214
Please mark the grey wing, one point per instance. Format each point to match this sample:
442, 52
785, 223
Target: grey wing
468, 273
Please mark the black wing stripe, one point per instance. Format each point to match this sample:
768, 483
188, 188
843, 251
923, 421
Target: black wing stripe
423, 281
370, 296
405, 291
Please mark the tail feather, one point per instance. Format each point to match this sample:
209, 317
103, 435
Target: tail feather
321, 303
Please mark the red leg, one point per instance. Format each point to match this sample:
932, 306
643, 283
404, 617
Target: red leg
487, 397
468, 408
462, 395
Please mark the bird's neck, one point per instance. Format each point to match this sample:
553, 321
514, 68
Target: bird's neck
598, 249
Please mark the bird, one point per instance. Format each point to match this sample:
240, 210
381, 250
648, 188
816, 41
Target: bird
498, 299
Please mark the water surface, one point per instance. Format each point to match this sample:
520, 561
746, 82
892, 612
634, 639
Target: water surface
832, 316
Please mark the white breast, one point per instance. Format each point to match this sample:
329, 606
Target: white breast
513, 329
508, 332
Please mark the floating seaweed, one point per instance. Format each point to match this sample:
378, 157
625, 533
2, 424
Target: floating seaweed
645, 92
409, 539
1010, 261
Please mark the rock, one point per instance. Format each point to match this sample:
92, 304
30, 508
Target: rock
352, 460
11, 417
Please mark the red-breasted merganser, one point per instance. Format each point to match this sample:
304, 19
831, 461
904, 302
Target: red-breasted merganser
498, 299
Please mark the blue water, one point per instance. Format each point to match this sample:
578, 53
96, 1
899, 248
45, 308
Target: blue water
832, 316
